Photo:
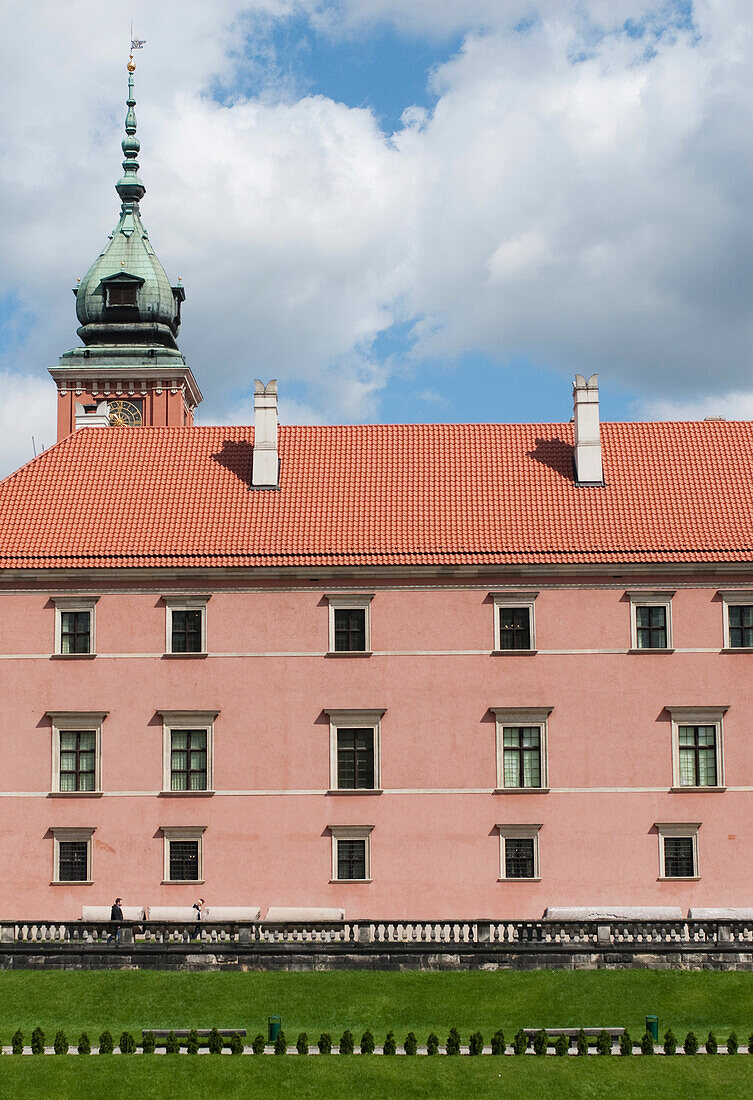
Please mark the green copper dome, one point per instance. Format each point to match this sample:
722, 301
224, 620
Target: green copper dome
125, 296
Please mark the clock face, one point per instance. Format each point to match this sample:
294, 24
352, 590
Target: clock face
126, 414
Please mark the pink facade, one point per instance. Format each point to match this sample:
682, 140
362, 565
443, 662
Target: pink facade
608, 765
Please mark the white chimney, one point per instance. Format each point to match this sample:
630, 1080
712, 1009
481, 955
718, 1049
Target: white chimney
588, 470
97, 418
266, 467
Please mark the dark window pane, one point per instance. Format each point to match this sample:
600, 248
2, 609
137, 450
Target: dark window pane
651, 627
678, 857
75, 631
741, 626
77, 760
72, 858
184, 860
186, 633
123, 294
188, 760
350, 629
355, 759
519, 857
514, 628
351, 859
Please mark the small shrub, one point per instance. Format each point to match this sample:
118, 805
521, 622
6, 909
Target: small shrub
498, 1042
367, 1042
127, 1043
711, 1044
520, 1042
325, 1043
626, 1044
561, 1045
647, 1044
148, 1042
302, 1043
84, 1045
172, 1046
37, 1041
540, 1042
670, 1042
214, 1041
281, 1043
410, 1046
690, 1046
390, 1046
106, 1045
432, 1044
17, 1042
581, 1043
347, 1042
732, 1043
476, 1043
259, 1044
236, 1044
750, 1044
192, 1043
453, 1042
60, 1043
603, 1043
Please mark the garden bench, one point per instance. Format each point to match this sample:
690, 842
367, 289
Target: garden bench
573, 1032
184, 1032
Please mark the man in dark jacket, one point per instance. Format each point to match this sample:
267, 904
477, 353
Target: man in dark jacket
116, 913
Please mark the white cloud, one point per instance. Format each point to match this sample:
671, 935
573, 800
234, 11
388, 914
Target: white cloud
27, 413
737, 405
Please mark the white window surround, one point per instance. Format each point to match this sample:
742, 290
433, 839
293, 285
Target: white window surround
514, 599
518, 832
84, 720
351, 832
698, 716
64, 833
182, 832
645, 598
355, 719
732, 598
522, 716
357, 601
678, 828
181, 720
74, 603
185, 603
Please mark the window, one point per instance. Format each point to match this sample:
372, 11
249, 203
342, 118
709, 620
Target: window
678, 849
697, 757
651, 620
354, 750
183, 853
72, 855
121, 294
188, 741
76, 752
514, 622
351, 853
521, 748
738, 620
350, 623
74, 625
186, 624
519, 851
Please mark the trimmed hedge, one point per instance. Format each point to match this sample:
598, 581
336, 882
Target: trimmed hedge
281, 1043
432, 1044
732, 1043
711, 1044
520, 1042
325, 1043
670, 1042
84, 1045
540, 1042
106, 1045
498, 1042
258, 1044
127, 1043
390, 1046
214, 1042
37, 1041
562, 1045
17, 1042
302, 1043
410, 1044
60, 1043
236, 1044
347, 1042
690, 1046
172, 1046
581, 1043
626, 1044
367, 1042
476, 1043
148, 1042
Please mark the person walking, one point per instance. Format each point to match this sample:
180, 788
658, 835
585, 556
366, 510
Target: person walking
116, 913
199, 907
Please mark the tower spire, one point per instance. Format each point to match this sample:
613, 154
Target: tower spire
129, 186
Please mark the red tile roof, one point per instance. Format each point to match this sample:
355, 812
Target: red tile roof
415, 494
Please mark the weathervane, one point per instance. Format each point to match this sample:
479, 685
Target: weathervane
136, 44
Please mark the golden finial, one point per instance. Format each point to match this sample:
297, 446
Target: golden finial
131, 66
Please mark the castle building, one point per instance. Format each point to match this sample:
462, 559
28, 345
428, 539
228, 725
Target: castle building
404, 671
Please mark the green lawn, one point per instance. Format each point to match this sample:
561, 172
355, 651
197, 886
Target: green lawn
376, 1078
419, 1002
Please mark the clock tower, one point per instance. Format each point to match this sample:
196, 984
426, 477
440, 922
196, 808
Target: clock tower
130, 370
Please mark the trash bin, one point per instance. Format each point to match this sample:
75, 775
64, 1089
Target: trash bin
652, 1027
274, 1023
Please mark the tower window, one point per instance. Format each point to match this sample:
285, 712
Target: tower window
121, 294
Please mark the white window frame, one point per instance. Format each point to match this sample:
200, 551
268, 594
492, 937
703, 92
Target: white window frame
698, 716
75, 603
666, 829
734, 599
513, 599
182, 832
522, 716
662, 598
351, 832
84, 720
63, 833
185, 603
355, 601
519, 832
187, 719
355, 719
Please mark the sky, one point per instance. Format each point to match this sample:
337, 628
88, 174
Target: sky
403, 210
